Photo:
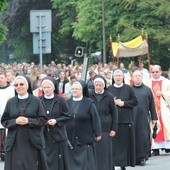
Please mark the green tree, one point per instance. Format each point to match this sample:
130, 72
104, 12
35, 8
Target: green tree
79, 22
19, 39
126, 18
154, 17
3, 28
65, 14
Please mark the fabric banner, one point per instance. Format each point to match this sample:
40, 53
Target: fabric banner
131, 48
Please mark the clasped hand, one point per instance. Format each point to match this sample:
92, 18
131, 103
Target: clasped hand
21, 120
98, 138
52, 122
119, 102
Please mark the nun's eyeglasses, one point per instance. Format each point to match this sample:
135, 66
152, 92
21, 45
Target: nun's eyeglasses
76, 89
155, 71
21, 84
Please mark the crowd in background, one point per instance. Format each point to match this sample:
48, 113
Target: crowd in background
53, 69
133, 92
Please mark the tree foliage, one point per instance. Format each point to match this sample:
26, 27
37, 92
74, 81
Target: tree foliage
3, 28
19, 38
65, 14
126, 18
79, 22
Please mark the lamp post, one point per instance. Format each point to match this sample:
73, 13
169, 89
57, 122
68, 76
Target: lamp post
103, 32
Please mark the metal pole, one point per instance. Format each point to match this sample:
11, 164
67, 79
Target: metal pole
85, 65
103, 32
40, 41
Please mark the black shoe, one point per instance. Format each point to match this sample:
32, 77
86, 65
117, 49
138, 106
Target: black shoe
155, 152
122, 168
142, 163
167, 150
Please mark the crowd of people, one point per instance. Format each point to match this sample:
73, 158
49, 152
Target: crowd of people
54, 120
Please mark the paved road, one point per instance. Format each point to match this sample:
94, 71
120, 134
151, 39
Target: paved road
161, 162
1, 165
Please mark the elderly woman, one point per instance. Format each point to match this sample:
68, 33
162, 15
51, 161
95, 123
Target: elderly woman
109, 117
83, 130
124, 141
55, 130
24, 117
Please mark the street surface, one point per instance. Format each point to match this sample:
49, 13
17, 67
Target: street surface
161, 162
1, 165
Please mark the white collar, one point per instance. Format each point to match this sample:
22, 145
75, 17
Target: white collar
23, 97
49, 97
137, 85
77, 98
160, 78
100, 92
118, 86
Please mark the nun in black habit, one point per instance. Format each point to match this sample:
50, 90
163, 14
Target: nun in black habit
83, 130
24, 117
55, 130
109, 120
124, 141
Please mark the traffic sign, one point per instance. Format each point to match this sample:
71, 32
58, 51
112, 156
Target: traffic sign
40, 26
45, 20
46, 43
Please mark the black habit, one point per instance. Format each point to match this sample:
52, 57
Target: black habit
144, 112
25, 145
55, 136
124, 141
82, 130
109, 120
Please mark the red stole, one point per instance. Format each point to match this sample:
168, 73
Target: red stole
157, 86
40, 92
131, 82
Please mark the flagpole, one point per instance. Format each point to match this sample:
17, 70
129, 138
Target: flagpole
148, 52
142, 34
118, 38
112, 49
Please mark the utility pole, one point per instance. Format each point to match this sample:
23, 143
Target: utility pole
103, 32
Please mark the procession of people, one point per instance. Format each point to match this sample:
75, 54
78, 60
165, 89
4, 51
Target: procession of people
56, 121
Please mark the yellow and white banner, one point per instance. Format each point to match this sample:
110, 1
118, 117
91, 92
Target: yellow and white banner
132, 48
